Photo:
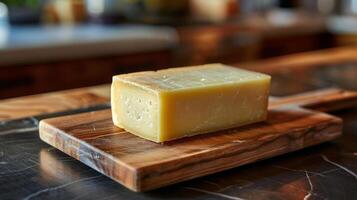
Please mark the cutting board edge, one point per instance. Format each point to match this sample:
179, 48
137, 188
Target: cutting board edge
335, 123
48, 133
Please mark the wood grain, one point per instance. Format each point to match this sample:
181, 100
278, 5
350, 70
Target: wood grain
303, 61
142, 165
325, 100
49, 103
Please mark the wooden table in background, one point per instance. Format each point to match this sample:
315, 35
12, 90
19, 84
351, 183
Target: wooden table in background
31, 169
250, 38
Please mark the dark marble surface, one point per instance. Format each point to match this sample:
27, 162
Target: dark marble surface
31, 169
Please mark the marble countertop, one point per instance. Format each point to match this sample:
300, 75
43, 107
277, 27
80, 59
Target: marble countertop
26, 44
31, 169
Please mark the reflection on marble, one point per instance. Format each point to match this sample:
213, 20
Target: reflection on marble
339, 166
18, 126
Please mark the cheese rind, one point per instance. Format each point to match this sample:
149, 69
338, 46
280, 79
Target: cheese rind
178, 102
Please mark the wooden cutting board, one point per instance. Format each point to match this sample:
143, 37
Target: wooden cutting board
141, 165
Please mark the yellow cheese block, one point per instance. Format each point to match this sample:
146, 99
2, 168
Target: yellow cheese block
178, 102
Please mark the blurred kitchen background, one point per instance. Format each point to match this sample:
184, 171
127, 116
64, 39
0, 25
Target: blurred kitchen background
49, 45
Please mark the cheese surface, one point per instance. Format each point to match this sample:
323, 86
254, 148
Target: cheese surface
173, 103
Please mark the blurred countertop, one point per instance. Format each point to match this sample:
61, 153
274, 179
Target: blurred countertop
28, 44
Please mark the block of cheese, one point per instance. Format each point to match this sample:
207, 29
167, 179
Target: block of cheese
178, 102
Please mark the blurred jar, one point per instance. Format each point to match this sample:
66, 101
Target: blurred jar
4, 31
65, 11
3, 14
213, 10
107, 11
